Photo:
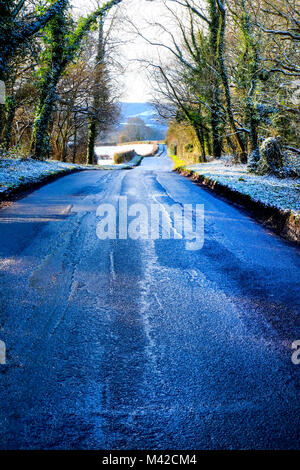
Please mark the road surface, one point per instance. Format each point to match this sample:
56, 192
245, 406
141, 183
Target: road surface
142, 344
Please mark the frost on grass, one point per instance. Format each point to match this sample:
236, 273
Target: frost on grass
15, 172
272, 191
105, 154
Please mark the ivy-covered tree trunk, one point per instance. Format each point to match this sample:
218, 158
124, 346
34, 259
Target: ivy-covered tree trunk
15, 32
98, 73
215, 124
215, 119
40, 137
253, 61
7, 114
6, 51
92, 135
207, 141
240, 146
11, 104
74, 141
63, 49
11, 109
200, 136
50, 75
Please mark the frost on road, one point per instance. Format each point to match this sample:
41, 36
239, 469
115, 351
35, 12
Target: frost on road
141, 344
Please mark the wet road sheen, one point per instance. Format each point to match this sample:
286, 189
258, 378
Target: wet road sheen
141, 344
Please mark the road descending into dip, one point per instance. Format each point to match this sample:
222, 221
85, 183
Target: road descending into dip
142, 344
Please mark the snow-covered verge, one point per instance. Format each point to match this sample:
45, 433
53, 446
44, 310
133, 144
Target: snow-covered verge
276, 192
17, 174
275, 201
21, 173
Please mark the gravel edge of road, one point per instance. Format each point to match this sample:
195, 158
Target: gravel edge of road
283, 223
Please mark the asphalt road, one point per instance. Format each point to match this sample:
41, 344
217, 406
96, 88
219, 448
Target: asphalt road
142, 344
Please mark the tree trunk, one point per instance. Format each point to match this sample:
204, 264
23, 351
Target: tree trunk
200, 137
215, 128
47, 96
93, 118
75, 141
92, 134
11, 110
253, 60
225, 81
215, 105
40, 137
208, 143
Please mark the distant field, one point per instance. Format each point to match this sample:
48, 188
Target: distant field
106, 154
138, 142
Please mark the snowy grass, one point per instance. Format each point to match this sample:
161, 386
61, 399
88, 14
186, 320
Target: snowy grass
140, 149
105, 154
16, 172
280, 193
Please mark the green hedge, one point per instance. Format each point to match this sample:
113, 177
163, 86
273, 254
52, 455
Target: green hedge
123, 157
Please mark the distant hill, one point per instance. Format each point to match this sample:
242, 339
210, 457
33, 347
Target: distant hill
142, 110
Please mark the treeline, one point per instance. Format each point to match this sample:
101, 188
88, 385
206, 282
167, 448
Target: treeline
233, 83
136, 130
57, 70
